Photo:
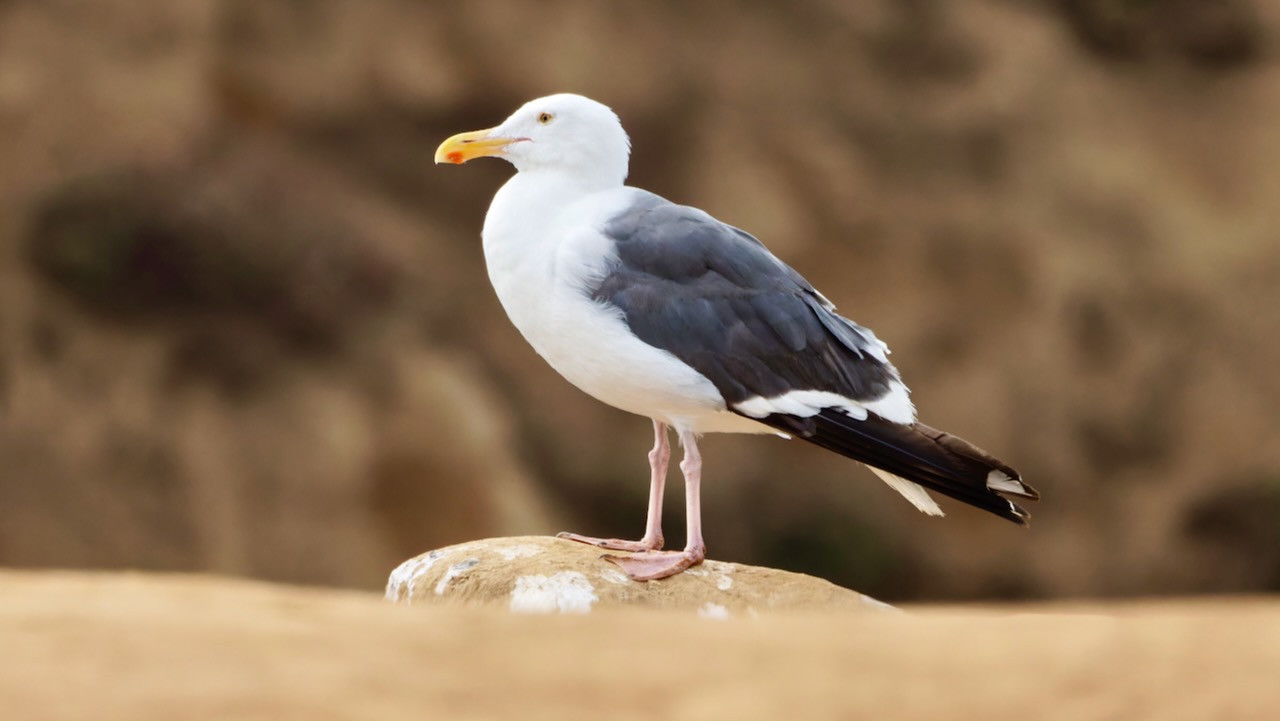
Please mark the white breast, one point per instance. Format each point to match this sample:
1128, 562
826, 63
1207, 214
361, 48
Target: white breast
541, 266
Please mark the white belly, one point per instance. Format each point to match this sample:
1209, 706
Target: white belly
590, 345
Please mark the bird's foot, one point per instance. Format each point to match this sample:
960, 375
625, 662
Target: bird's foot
613, 544
653, 565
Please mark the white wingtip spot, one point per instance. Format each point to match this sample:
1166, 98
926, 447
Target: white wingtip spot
1020, 513
914, 493
998, 480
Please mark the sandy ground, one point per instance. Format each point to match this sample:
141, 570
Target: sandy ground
143, 647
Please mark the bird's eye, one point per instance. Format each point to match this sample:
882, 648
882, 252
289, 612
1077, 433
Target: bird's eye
544, 118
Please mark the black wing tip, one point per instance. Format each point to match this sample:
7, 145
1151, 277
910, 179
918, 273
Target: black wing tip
1019, 515
1002, 507
939, 464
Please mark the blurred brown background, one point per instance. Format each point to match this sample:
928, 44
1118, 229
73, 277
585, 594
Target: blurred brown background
245, 326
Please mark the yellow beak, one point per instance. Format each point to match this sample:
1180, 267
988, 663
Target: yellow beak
467, 146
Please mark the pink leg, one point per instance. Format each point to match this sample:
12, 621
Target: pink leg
652, 541
653, 565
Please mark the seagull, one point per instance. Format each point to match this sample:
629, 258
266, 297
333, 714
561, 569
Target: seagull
661, 310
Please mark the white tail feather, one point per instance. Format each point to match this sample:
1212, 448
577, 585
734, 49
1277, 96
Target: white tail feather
913, 492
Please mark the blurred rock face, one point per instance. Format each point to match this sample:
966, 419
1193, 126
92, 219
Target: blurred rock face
245, 324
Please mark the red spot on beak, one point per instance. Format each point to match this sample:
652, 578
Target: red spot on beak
454, 157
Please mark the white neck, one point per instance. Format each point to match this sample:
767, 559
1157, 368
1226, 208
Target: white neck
531, 196
531, 219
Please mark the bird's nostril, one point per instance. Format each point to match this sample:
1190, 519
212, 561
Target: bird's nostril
468, 140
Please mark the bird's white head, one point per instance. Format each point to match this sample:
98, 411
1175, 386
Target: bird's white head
562, 132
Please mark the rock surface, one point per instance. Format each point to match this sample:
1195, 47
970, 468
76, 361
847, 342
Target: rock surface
540, 574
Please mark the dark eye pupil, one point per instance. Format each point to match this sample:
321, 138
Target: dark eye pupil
544, 118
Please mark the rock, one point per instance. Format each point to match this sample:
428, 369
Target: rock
542, 574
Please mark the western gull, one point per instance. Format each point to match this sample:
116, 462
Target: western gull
663, 311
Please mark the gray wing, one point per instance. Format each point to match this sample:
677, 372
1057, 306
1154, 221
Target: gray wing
714, 297
717, 299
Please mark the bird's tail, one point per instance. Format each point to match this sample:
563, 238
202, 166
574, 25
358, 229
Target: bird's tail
922, 455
